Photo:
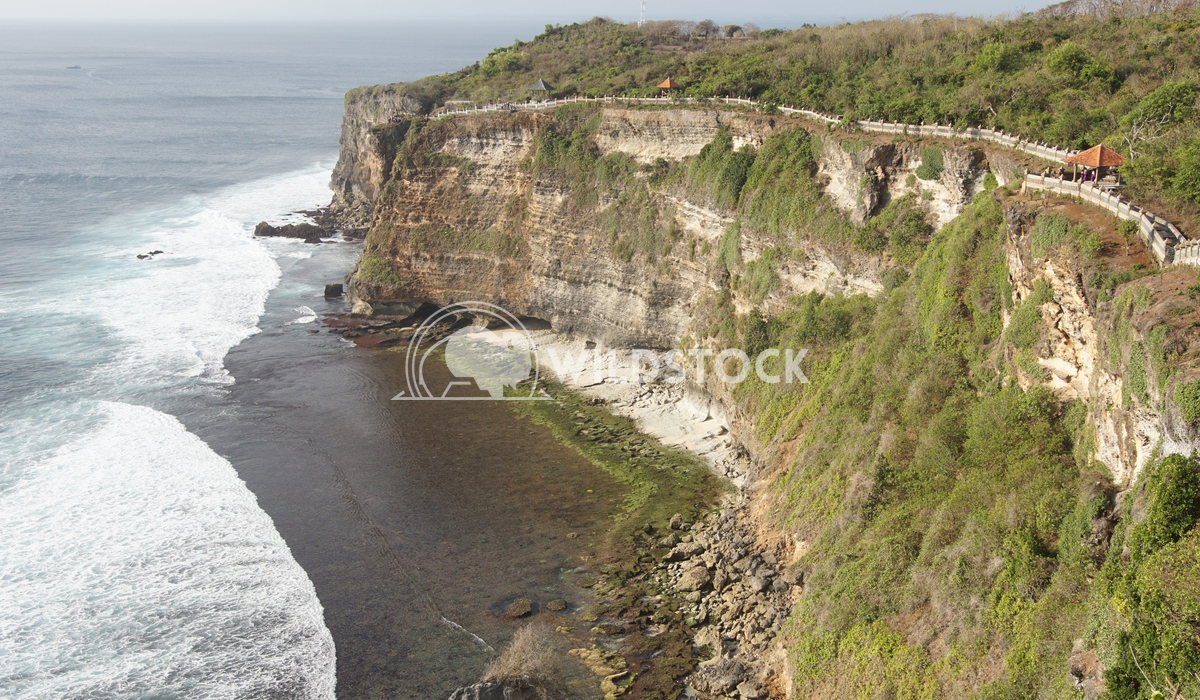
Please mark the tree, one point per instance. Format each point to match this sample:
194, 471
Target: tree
751, 29
1171, 103
1185, 184
998, 56
1068, 59
503, 60
1143, 128
1177, 99
732, 30
706, 28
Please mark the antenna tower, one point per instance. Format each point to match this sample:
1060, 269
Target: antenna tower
642, 21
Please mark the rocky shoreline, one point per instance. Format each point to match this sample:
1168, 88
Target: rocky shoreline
720, 592
740, 593
314, 225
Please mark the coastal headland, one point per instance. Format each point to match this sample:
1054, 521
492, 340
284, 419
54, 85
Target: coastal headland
988, 476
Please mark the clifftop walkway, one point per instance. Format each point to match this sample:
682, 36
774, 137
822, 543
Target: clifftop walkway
1170, 246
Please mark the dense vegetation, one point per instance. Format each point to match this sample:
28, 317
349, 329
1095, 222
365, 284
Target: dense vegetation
1071, 79
951, 515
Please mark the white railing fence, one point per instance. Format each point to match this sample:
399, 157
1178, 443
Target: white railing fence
1159, 234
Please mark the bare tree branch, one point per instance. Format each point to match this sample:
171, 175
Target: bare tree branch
1146, 129
1139, 665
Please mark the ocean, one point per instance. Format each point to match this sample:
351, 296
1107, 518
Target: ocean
135, 562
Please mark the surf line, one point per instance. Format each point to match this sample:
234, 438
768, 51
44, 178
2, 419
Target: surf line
486, 647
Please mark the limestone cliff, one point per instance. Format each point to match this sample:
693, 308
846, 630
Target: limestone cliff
1118, 353
367, 149
472, 219
594, 227
863, 179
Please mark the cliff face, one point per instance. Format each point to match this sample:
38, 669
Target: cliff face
863, 181
594, 226
367, 148
1119, 354
472, 221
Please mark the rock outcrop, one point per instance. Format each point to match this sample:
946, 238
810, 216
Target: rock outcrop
862, 178
1087, 347
368, 147
495, 690
309, 232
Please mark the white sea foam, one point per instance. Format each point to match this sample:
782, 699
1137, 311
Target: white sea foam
183, 310
308, 315
135, 561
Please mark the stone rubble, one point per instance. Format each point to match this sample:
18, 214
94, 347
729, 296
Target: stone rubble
739, 597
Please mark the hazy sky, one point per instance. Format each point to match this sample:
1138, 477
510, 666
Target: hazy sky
774, 12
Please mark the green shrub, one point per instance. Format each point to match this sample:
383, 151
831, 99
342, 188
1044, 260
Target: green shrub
1161, 370
1174, 492
729, 251
1025, 325
1135, 375
1048, 232
1172, 102
501, 61
733, 175
1146, 601
893, 277
1052, 230
931, 163
1068, 59
757, 335
997, 56
375, 269
1185, 182
779, 193
1187, 397
720, 170
1089, 243
761, 276
990, 182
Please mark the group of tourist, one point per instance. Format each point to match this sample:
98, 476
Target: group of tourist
1086, 175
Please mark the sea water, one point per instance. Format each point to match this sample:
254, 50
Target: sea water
134, 562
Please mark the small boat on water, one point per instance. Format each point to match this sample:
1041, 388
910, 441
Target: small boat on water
74, 67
